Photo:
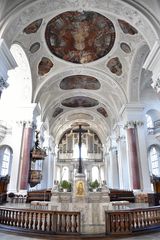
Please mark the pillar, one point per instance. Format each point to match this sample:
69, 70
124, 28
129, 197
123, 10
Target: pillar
26, 148
133, 155
114, 173
133, 115
123, 163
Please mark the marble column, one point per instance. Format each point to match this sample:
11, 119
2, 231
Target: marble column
145, 175
133, 155
114, 173
123, 163
26, 148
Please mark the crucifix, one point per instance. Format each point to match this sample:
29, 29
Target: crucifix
80, 131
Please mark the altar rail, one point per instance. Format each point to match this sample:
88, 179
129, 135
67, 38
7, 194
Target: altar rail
39, 221
132, 221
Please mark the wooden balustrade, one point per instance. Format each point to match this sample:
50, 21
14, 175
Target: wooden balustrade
51, 222
132, 221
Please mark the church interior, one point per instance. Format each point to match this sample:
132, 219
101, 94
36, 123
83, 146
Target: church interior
80, 116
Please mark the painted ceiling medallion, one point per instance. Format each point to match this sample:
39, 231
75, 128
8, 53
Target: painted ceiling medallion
44, 66
80, 37
33, 27
79, 101
115, 66
34, 47
102, 111
127, 28
125, 47
80, 81
57, 111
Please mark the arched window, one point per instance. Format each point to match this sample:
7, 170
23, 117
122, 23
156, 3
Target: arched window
65, 174
5, 160
149, 121
95, 173
154, 153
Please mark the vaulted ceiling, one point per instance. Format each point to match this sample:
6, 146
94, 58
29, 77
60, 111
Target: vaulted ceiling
86, 57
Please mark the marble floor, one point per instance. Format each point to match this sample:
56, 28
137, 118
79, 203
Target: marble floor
12, 236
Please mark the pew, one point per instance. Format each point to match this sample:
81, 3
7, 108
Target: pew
121, 195
39, 195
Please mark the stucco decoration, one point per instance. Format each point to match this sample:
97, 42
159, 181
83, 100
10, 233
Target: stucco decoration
125, 47
80, 101
34, 47
102, 111
127, 28
80, 81
79, 116
33, 27
57, 111
115, 66
80, 37
44, 66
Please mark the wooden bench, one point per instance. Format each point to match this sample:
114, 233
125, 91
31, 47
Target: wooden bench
39, 195
121, 195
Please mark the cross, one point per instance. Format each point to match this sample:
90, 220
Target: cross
80, 131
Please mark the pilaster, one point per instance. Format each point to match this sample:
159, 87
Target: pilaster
134, 117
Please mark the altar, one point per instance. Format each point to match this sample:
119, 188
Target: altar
92, 209
91, 205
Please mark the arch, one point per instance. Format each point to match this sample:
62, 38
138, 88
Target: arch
95, 173
5, 160
154, 159
133, 88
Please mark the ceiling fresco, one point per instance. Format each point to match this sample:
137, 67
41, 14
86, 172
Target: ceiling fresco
80, 81
44, 66
79, 101
57, 111
127, 28
83, 58
115, 66
125, 47
80, 37
34, 47
102, 111
33, 27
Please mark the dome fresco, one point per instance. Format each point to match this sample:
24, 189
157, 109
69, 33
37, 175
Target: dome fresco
80, 37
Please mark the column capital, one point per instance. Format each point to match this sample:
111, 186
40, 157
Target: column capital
120, 139
133, 112
133, 124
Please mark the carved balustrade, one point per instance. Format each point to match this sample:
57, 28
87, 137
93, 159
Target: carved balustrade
132, 221
40, 221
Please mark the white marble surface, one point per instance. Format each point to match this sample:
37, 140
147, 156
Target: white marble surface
92, 214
